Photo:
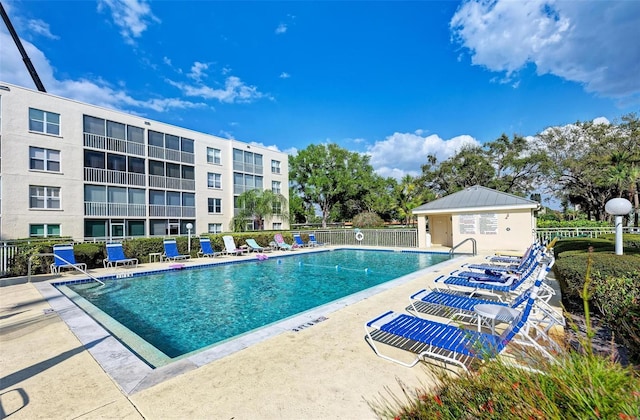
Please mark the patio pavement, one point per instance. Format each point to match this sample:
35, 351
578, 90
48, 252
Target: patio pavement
323, 371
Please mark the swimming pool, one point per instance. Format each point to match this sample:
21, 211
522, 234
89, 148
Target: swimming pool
179, 312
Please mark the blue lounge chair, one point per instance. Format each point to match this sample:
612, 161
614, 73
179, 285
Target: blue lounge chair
255, 247
63, 257
313, 241
115, 256
459, 303
171, 251
512, 285
230, 246
509, 268
298, 241
447, 343
206, 250
497, 277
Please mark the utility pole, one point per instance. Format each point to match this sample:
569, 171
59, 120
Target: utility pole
23, 53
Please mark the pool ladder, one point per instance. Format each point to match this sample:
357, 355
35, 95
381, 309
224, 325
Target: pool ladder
473, 242
63, 260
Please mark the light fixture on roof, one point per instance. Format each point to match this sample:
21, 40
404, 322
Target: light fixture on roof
3, 87
618, 207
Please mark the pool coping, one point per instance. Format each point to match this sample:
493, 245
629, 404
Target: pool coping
132, 374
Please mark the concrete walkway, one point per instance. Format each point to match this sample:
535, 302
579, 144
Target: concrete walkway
324, 371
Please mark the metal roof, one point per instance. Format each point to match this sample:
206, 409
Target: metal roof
476, 198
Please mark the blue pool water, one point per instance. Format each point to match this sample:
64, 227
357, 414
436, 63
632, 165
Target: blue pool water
181, 311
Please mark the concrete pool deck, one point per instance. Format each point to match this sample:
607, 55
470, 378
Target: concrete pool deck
325, 370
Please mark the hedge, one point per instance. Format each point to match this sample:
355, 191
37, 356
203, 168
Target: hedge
615, 283
92, 253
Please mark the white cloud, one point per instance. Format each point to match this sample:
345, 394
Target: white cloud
42, 28
131, 16
197, 71
589, 42
404, 153
284, 75
96, 92
282, 28
234, 91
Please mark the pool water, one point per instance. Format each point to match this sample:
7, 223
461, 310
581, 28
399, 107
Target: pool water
181, 311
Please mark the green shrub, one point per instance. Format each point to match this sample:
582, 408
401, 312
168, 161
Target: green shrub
570, 269
582, 223
630, 241
614, 288
576, 387
368, 220
618, 300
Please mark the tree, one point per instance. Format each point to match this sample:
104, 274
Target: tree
592, 162
410, 194
328, 176
507, 165
258, 206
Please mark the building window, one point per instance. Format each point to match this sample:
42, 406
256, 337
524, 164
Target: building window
213, 156
275, 187
215, 228
247, 162
44, 159
214, 180
275, 166
44, 122
215, 205
276, 208
44, 197
277, 226
44, 231
244, 182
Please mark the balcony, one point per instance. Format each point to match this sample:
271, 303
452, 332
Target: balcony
109, 176
114, 209
171, 211
170, 154
112, 144
157, 181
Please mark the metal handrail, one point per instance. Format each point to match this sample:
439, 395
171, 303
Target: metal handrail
64, 261
473, 241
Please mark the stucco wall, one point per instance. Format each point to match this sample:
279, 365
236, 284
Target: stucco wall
510, 230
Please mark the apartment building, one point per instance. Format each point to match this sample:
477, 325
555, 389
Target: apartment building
73, 169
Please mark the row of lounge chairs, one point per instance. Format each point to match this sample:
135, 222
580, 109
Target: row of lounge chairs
468, 307
64, 257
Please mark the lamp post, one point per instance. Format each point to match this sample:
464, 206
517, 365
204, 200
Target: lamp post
189, 227
618, 207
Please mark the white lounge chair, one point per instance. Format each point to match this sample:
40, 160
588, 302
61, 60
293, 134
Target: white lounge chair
230, 246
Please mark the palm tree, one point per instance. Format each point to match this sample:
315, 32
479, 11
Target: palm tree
258, 205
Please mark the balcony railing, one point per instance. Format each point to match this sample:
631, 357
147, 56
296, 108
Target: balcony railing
116, 145
109, 176
157, 181
156, 210
114, 209
170, 154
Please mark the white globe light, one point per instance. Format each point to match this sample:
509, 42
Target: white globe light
618, 206
190, 226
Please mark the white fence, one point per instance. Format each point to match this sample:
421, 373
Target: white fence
547, 234
404, 238
396, 238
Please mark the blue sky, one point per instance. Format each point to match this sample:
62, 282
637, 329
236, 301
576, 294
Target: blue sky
396, 80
